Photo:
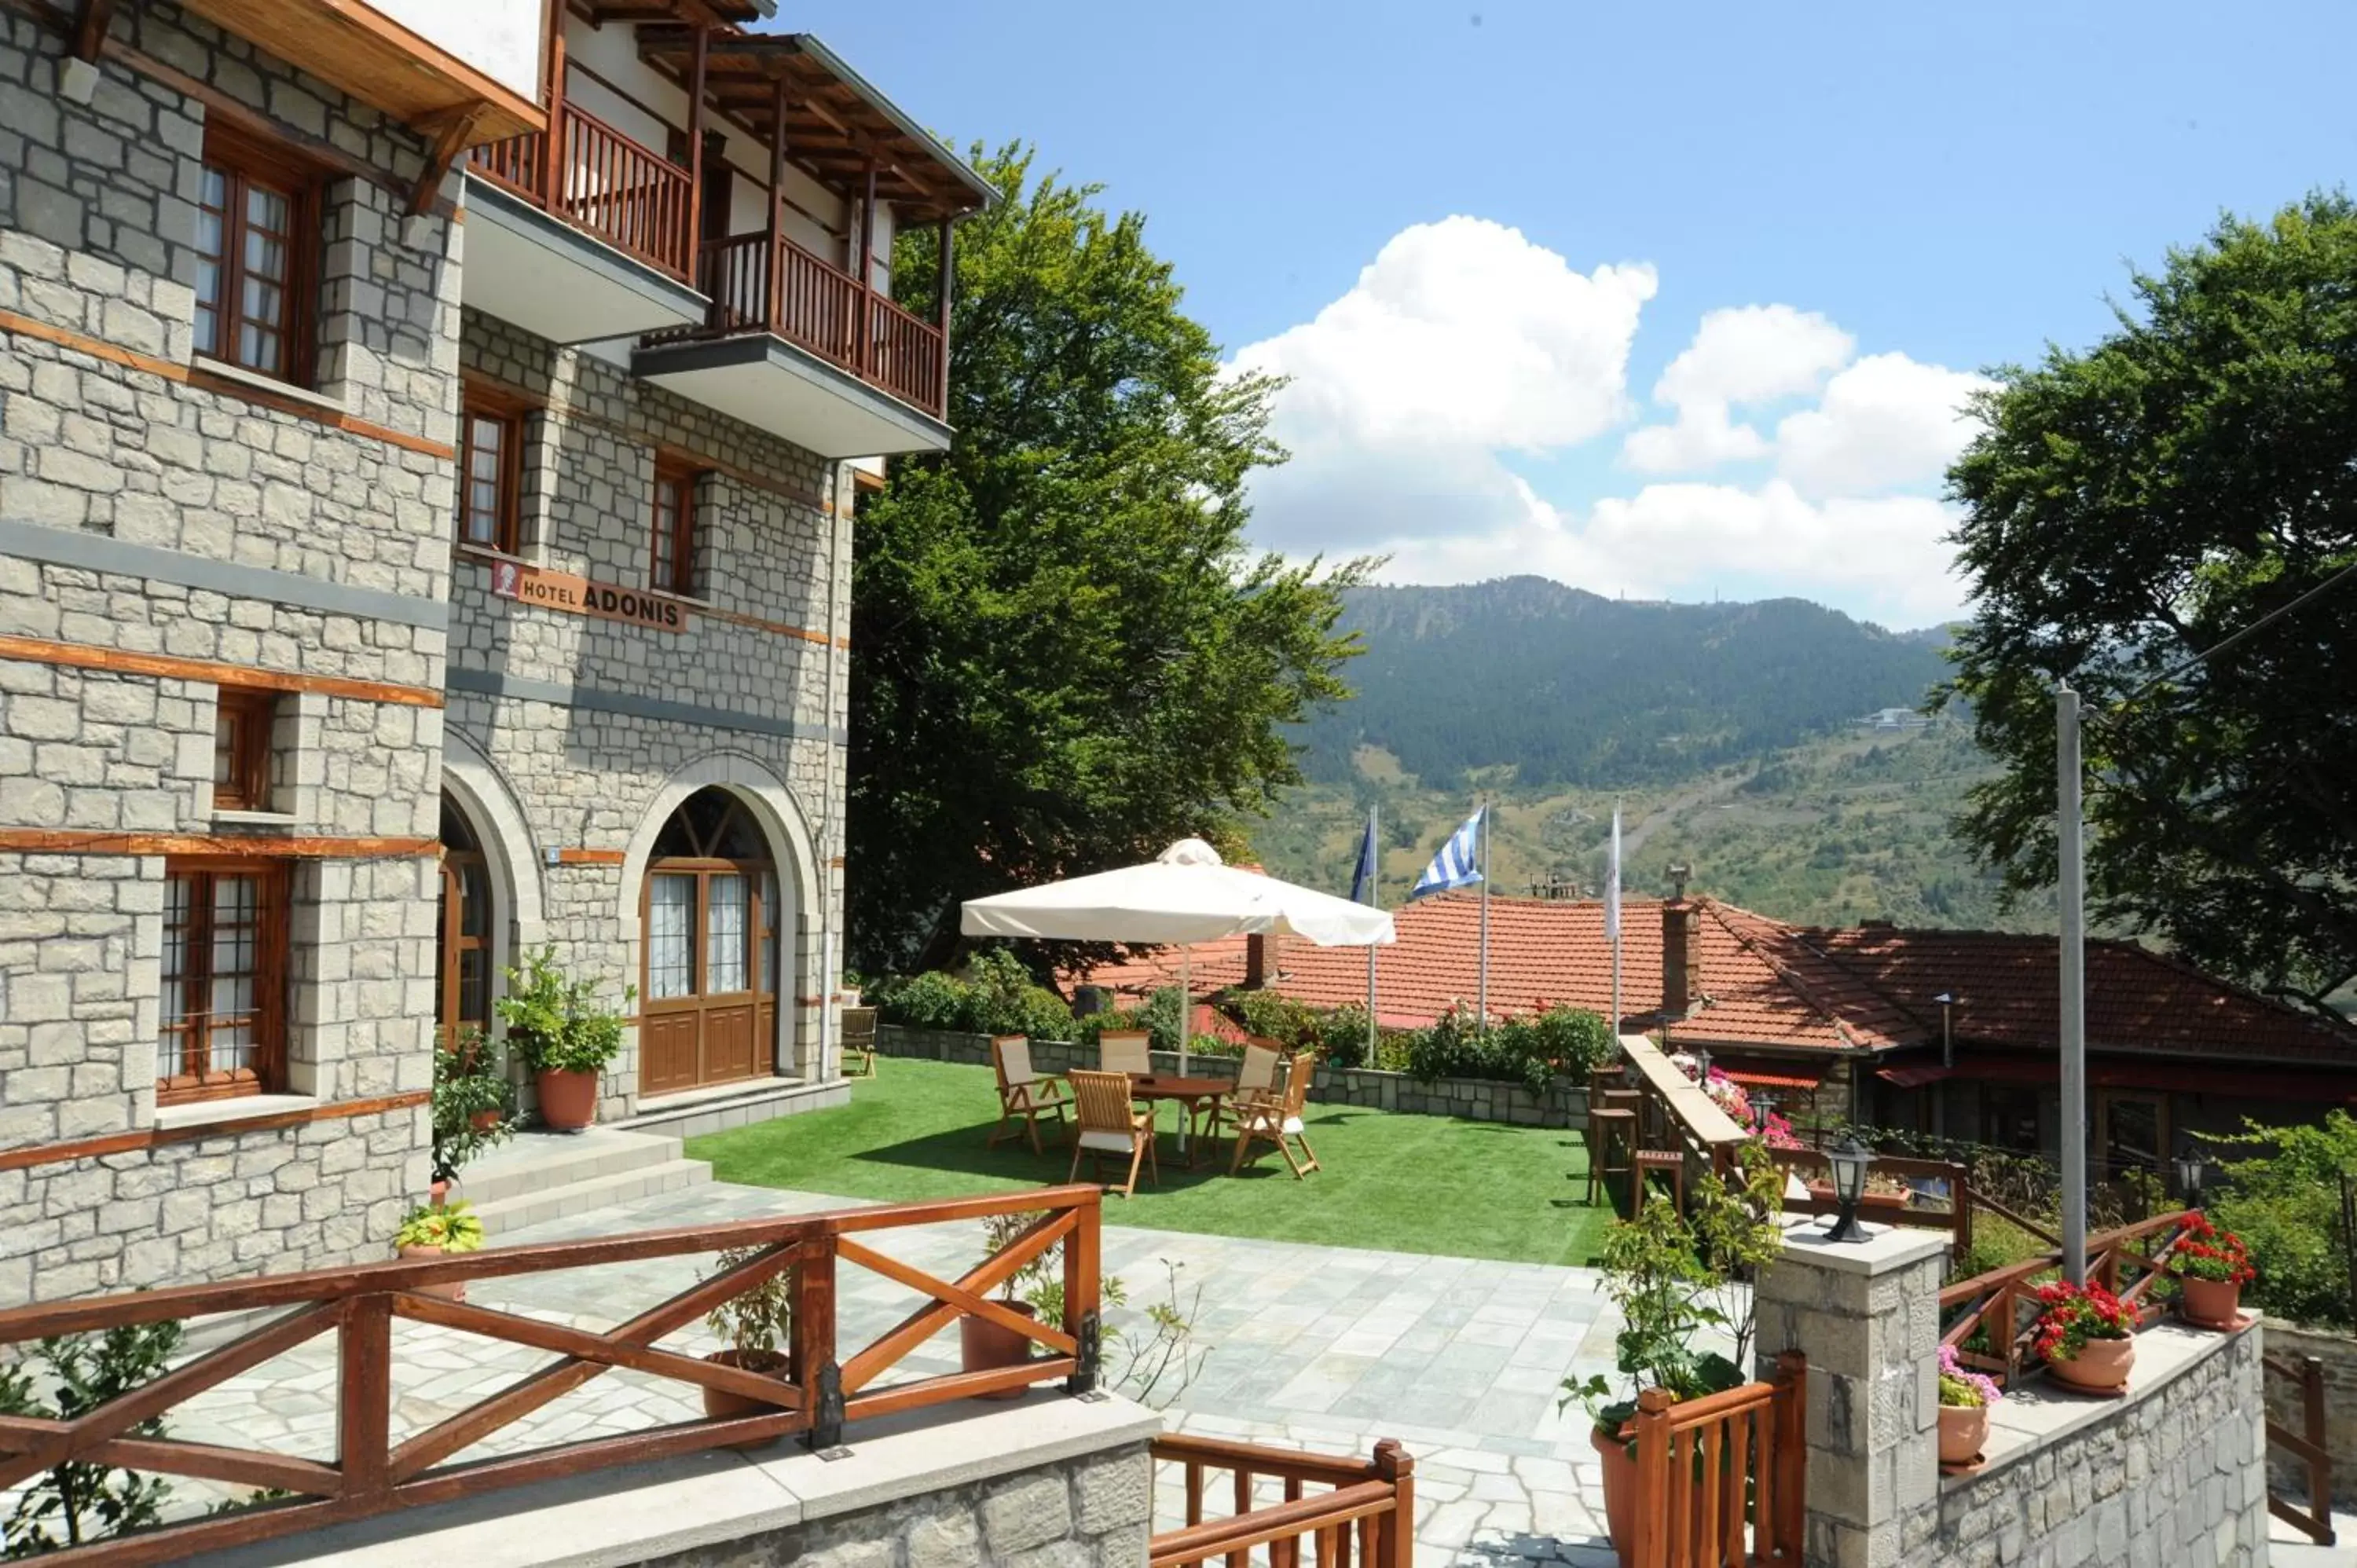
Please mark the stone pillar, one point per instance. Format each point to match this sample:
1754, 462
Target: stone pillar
1866, 1316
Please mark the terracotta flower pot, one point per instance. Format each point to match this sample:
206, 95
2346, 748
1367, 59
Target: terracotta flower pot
484, 1120
454, 1291
1619, 1491
438, 1193
568, 1100
1964, 1428
985, 1346
719, 1404
2212, 1301
2100, 1364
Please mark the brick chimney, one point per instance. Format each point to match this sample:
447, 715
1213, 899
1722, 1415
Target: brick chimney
1677, 949
1255, 962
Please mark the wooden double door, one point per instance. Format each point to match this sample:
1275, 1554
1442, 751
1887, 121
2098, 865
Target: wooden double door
709, 987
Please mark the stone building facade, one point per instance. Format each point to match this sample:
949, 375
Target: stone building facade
357, 639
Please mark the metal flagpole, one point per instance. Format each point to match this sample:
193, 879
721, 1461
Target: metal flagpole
1186, 1028
1375, 899
1612, 913
2071, 870
1482, 843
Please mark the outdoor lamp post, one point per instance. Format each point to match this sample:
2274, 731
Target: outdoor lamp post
1849, 1159
2189, 1174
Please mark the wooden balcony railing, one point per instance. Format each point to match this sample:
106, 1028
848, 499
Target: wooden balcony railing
1999, 1308
630, 197
820, 308
2304, 1448
1722, 1480
823, 1387
1366, 1504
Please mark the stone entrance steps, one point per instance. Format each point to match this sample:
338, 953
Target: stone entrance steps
537, 1176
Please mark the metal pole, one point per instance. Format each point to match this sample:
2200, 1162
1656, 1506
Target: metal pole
1376, 898
1612, 913
1483, 1001
2071, 874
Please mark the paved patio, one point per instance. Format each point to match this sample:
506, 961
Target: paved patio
1320, 1347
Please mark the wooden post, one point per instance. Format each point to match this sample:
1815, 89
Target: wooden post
1654, 1477
1395, 1540
774, 259
815, 1358
1081, 1287
863, 354
1962, 1189
2319, 1461
695, 153
552, 141
1792, 1404
364, 1397
943, 291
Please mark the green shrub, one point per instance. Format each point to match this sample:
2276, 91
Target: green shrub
1528, 1050
929, 1001
998, 997
1273, 1015
1342, 1037
555, 1025
2282, 1199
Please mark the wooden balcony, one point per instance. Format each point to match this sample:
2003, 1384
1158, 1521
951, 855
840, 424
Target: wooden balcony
602, 182
819, 308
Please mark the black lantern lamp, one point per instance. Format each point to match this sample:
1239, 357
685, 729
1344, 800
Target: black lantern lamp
2189, 1163
1849, 1159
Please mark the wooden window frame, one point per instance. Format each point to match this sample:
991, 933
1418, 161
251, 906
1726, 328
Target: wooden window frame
249, 714
274, 883
246, 161
679, 483
507, 484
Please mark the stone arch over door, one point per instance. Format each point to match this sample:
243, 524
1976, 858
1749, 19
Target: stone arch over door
768, 807
495, 836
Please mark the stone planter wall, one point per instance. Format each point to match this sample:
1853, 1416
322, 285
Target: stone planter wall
2339, 1354
1564, 1105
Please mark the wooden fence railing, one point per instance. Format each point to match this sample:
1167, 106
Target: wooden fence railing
827, 1383
1365, 1507
2002, 1303
1952, 1212
1722, 1481
2306, 1446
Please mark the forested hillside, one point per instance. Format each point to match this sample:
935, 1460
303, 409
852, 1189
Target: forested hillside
1571, 689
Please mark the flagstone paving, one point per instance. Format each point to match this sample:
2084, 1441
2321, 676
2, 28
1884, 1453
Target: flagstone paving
1327, 1348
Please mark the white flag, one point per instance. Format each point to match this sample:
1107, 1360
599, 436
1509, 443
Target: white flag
1612, 885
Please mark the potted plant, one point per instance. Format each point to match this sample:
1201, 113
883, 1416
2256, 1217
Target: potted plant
759, 1326
1965, 1399
2086, 1334
562, 1035
1035, 1291
472, 1102
1675, 1278
2212, 1267
437, 1230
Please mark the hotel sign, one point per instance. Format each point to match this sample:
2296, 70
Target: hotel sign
578, 595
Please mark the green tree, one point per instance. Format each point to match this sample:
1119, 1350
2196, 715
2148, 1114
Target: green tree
2135, 504
1064, 655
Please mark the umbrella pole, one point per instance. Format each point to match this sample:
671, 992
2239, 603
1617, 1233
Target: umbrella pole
1186, 1028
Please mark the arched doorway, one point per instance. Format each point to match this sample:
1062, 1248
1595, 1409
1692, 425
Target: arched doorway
708, 984
462, 998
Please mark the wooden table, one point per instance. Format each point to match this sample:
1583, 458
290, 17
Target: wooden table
1194, 1093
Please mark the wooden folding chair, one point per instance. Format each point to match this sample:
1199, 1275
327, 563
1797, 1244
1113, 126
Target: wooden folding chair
1109, 1124
1255, 1079
1022, 1093
1277, 1119
1129, 1052
859, 1033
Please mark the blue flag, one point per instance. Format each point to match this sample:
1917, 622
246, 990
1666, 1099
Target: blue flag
1458, 862
1363, 881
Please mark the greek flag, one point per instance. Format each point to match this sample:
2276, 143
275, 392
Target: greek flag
1612, 885
1458, 862
1363, 881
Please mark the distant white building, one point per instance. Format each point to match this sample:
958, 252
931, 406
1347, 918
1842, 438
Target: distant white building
1894, 719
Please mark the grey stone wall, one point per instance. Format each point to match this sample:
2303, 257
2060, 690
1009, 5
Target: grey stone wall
1475, 1099
2289, 1343
1092, 1512
150, 508
582, 718
2175, 1476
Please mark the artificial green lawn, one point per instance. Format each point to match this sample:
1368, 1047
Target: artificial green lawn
1407, 1184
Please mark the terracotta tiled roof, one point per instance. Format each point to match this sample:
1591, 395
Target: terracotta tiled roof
1765, 984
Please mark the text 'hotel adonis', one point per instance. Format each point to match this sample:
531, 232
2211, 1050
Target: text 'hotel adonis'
429, 441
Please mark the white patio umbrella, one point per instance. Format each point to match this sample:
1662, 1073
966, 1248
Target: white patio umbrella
1183, 896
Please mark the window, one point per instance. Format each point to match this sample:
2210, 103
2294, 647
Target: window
255, 234
224, 979
489, 475
242, 725
2009, 1117
672, 553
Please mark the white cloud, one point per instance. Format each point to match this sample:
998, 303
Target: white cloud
1884, 421
1461, 341
1757, 353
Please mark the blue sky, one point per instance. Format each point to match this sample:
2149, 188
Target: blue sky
1924, 191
